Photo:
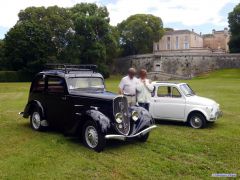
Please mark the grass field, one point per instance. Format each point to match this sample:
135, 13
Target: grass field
173, 151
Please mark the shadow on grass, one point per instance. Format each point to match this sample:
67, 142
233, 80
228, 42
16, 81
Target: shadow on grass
210, 125
171, 123
110, 144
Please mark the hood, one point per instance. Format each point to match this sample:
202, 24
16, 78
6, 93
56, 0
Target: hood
198, 100
106, 95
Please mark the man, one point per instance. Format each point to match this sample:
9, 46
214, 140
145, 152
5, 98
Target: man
127, 87
144, 90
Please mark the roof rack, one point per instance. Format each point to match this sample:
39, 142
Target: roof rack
71, 67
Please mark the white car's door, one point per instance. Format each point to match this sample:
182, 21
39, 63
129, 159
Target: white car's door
168, 103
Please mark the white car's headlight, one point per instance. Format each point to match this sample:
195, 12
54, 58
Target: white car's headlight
135, 116
119, 117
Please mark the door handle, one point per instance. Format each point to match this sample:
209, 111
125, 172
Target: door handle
64, 98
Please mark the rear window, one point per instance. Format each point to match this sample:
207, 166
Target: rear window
55, 85
38, 84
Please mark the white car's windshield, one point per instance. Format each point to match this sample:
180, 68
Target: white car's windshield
187, 90
85, 83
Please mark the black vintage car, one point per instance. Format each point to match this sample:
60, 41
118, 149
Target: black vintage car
73, 99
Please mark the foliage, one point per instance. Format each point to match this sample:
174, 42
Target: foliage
95, 36
15, 76
173, 151
138, 33
168, 29
81, 34
234, 24
39, 36
1, 55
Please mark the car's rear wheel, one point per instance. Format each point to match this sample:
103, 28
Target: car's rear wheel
197, 121
92, 136
36, 119
143, 138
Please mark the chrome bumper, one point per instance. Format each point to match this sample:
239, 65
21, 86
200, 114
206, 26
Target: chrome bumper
122, 137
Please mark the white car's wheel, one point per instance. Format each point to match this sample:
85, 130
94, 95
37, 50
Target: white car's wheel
197, 121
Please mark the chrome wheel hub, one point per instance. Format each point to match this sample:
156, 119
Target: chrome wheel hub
36, 120
196, 122
91, 136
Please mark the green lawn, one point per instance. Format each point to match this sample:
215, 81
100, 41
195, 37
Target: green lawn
173, 151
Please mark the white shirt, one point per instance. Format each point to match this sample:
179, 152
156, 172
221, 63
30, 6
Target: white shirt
144, 91
128, 86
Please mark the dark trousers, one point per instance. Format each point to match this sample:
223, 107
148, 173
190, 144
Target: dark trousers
144, 105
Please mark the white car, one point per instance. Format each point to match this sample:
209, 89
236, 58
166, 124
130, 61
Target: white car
177, 101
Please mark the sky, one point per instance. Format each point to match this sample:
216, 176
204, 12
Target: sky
200, 15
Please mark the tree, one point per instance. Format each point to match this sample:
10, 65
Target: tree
1, 55
81, 34
94, 35
39, 36
234, 24
138, 33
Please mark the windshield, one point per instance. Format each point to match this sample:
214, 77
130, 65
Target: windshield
83, 83
187, 90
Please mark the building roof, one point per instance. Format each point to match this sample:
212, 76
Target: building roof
184, 31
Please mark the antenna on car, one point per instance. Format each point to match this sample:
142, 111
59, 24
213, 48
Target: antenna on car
71, 67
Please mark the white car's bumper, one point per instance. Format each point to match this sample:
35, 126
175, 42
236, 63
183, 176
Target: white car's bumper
216, 115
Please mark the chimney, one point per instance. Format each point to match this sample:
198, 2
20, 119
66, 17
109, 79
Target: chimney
192, 30
200, 33
213, 31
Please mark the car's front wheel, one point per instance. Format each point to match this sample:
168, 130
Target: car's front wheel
36, 119
143, 138
197, 121
92, 136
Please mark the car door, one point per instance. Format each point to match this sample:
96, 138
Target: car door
56, 101
168, 103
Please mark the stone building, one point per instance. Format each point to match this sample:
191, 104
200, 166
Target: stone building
178, 40
217, 41
186, 41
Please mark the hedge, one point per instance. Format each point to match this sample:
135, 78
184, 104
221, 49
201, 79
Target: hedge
15, 76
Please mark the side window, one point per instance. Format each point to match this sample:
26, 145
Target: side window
38, 85
164, 91
55, 85
176, 93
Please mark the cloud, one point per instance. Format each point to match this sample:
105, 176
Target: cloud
186, 12
9, 9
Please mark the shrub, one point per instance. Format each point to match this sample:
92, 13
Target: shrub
15, 76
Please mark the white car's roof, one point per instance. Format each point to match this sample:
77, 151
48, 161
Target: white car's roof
166, 83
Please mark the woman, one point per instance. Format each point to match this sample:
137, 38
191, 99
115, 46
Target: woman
144, 90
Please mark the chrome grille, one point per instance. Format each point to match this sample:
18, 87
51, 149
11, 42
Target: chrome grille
120, 105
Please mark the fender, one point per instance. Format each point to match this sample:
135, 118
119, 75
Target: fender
29, 107
197, 109
102, 121
145, 119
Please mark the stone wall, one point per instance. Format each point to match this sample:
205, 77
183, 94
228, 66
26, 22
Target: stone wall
177, 65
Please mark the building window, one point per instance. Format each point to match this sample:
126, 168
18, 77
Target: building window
177, 42
186, 44
168, 42
157, 68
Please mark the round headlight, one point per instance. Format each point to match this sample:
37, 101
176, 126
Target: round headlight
135, 115
119, 117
